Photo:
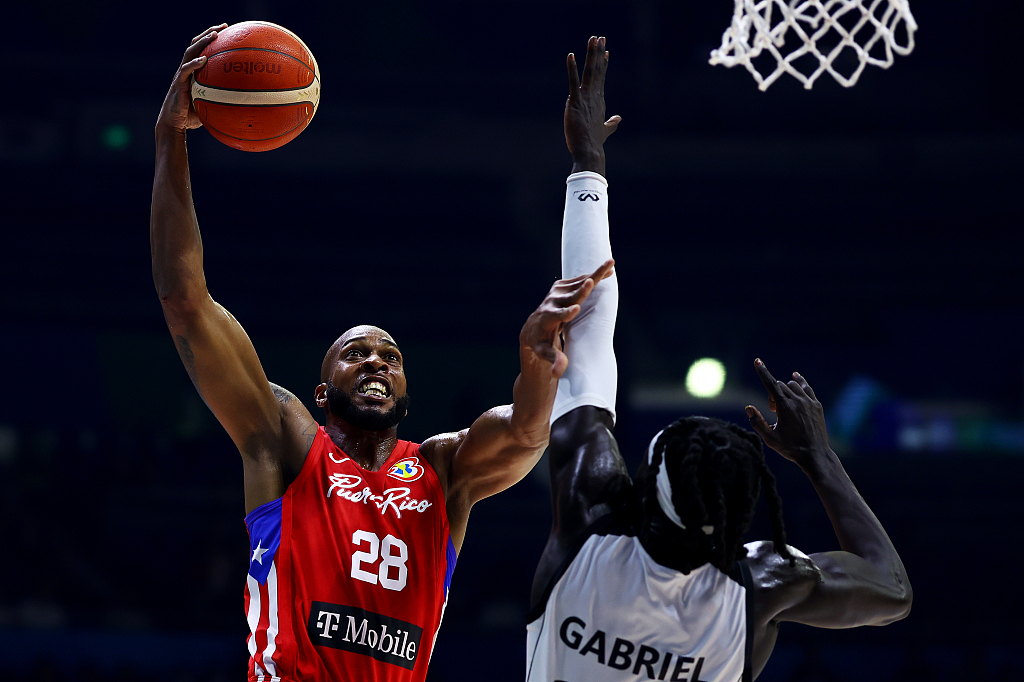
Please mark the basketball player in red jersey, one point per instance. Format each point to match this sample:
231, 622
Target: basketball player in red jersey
354, 533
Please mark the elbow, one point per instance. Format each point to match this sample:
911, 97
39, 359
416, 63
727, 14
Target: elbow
900, 606
184, 308
897, 591
530, 431
178, 304
179, 280
905, 593
905, 602
533, 440
180, 296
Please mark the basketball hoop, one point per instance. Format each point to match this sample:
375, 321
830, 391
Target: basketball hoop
824, 31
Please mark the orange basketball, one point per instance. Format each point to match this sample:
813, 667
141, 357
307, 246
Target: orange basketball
259, 88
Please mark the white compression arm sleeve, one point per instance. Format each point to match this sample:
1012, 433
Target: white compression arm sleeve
592, 374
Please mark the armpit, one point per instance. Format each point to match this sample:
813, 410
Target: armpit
283, 395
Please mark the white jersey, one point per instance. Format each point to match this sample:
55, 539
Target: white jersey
616, 615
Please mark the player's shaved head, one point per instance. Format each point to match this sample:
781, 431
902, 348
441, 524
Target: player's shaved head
346, 337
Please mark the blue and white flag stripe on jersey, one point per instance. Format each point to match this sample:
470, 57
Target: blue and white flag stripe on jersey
450, 556
264, 524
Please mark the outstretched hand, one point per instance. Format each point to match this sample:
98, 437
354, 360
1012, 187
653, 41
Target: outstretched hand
542, 332
799, 430
585, 126
177, 112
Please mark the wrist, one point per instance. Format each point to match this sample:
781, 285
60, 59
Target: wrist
166, 134
170, 144
527, 354
169, 137
815, 461
589, 160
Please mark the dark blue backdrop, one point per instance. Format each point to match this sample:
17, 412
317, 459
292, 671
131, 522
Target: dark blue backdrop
870, 238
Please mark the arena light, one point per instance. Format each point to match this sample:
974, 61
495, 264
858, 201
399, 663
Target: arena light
705, 378
117, 137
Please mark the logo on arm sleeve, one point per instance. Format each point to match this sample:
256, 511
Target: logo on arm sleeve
587, 195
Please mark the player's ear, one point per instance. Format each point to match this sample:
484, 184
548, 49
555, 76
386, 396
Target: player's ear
320, 395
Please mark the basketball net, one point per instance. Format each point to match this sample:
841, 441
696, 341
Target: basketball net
867, 27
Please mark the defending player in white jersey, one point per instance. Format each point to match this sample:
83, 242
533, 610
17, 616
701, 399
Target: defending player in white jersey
650, 579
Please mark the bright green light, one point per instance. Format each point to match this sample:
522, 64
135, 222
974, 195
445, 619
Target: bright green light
117, 136
705, 378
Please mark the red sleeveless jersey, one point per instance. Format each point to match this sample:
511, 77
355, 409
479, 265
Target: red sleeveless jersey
349, 571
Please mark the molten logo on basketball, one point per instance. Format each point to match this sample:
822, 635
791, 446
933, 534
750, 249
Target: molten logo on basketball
251, 67
406, 470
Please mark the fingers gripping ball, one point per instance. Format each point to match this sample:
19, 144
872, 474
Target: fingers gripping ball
259, 87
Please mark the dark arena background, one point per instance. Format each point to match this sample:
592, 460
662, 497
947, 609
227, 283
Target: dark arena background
870, 238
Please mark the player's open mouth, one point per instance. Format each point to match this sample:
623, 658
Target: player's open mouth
372, 388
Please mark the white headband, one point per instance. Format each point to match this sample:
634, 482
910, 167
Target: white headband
665, 489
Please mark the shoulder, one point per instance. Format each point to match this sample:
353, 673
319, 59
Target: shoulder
299, 427
772, 568
439, 450
613, 546
779, 582
443, 444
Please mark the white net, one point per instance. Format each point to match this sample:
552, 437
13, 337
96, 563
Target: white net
839, 37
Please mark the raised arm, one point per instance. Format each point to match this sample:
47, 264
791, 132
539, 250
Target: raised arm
589, 479
586, 467
505, 442
863, 584
266, 423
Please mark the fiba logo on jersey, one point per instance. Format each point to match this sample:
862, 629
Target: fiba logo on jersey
407, 470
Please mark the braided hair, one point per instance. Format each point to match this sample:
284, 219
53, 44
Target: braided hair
715, 470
